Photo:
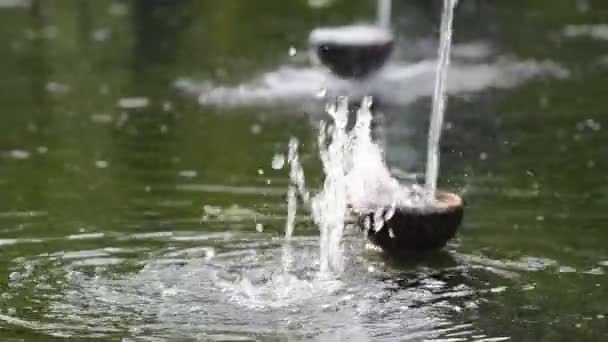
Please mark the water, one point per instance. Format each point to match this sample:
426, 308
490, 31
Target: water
384, 13
162, 242
439, 99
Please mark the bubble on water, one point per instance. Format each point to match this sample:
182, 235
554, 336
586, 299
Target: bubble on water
102, 118
57, 88
50, 32
187, 173
133, 102
19, 154
260, 172
119, 9
319, 3
101, 35
278, 161
101, 164
256, 129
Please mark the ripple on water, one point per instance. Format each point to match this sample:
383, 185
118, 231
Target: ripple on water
233, 286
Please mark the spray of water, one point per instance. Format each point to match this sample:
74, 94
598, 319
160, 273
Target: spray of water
356, 180
439, 97
329, 207
297, 185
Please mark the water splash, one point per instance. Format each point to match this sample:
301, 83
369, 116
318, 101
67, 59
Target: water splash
329, 206
439, 97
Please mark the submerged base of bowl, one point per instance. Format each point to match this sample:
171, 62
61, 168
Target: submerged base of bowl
352, 52
415, 229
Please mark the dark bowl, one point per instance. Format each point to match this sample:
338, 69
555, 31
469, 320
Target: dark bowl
417, 229
349, 55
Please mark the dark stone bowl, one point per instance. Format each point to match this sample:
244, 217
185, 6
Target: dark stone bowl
351, 57
417, 229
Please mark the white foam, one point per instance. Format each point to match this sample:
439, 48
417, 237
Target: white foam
351, 35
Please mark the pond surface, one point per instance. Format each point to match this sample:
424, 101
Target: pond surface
138, 201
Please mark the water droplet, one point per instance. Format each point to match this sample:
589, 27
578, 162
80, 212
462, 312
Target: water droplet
259, 227
278, 161
260, 172
292, 51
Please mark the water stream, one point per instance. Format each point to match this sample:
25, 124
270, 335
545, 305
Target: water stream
439, 97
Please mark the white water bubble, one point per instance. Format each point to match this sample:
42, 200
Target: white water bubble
101, 35
256, 129
133, 102
119, 9
19, 154
188, 173
260, 172
102, 118
101, 164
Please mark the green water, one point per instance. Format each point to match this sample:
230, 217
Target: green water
108, 214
